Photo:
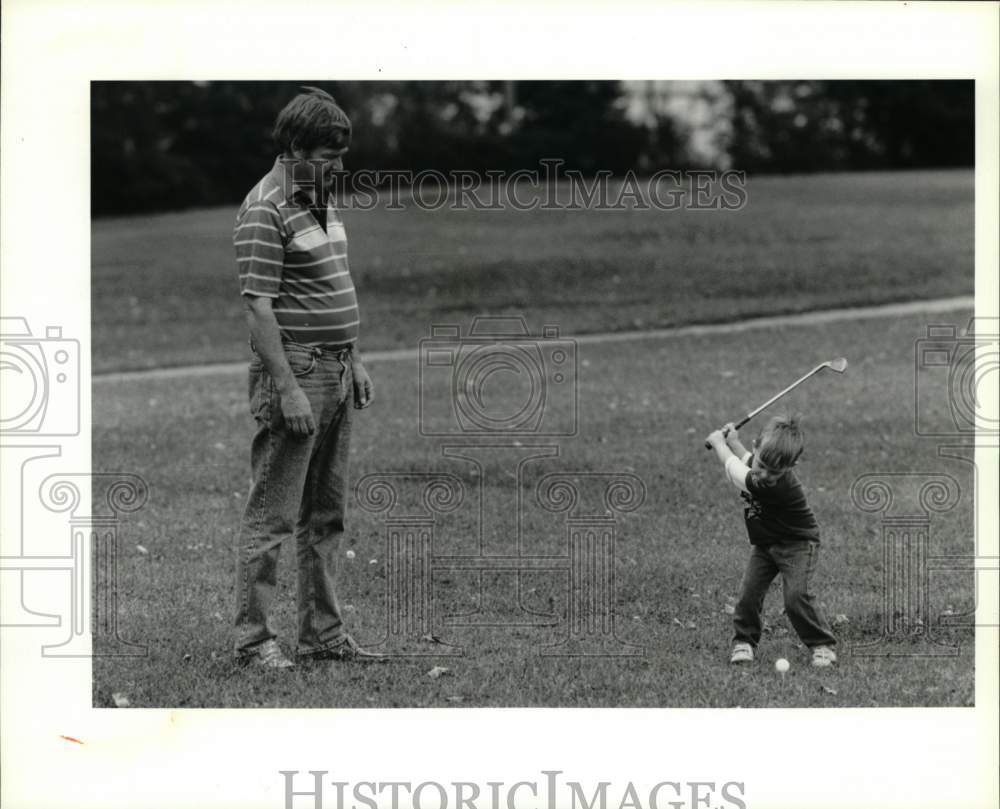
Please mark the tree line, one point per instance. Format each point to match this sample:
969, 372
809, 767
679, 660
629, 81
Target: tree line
172, 145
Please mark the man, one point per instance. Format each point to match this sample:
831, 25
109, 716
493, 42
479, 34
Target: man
291, 254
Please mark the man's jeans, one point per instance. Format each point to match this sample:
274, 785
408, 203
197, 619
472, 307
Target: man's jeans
299, 487
795, 560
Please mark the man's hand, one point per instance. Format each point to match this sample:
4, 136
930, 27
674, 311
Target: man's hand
296, 411
364, 390
266, 337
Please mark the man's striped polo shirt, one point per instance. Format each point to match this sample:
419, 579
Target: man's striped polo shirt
282, 252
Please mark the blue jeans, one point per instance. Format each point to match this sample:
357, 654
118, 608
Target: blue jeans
796, 561
299, 488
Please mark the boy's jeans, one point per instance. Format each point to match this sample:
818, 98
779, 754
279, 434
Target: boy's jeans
299, 487
795, 560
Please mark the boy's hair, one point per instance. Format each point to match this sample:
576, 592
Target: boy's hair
312, 120
781, 442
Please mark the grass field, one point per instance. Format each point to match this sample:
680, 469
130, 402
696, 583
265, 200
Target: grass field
164, 288
165, 294
644, 409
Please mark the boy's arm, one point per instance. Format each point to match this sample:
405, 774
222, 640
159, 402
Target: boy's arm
733, 440
736, 468
737, 471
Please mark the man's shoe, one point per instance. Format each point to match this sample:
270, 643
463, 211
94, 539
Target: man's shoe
267, 655
348, 651
824, 656
742, 653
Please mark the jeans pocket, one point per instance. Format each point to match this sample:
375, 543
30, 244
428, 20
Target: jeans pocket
301, 363
260, 394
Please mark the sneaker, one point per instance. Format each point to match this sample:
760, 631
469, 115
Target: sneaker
347, 651
267, 654
742, 653
824, 656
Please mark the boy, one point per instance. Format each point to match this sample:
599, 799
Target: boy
783, 532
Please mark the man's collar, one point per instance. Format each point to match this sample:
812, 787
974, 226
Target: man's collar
291, 190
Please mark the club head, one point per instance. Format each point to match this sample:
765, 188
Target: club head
839, 365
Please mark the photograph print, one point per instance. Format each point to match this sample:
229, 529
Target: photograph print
494, 393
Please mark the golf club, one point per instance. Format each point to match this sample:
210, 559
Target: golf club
838, 365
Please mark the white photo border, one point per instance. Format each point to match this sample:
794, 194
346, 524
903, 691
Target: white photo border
153, 758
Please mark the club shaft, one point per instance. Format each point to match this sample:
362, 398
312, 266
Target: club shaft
837, 365
775, 398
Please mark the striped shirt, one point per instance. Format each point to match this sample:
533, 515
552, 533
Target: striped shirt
283, 253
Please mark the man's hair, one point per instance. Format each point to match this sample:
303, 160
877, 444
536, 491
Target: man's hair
310, 121
781, 442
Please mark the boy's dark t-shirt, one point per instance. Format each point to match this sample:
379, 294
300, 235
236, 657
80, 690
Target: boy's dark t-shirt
778, 512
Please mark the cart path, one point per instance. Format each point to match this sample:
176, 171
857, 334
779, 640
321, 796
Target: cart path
813, 318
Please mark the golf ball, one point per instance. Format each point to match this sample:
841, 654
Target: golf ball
781, 665
350, 555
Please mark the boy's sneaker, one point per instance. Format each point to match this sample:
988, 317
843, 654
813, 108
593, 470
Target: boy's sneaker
824, 656
268, 655
742, 653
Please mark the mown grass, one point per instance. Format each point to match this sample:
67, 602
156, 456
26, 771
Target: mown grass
645, 407
164, 288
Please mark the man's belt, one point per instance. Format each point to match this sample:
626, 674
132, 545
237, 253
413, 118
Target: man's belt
336, 349
333, 348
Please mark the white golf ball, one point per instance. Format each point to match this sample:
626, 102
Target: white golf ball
350, 554
781, 665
